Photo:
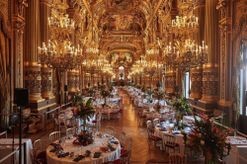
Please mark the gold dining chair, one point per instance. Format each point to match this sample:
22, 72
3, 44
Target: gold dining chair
169, 143
39, 155
53, 136
177, 159
70, 132
4, 134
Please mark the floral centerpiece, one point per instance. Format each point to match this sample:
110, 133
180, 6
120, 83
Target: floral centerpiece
181, 107
84, 111
159, 95
105, 92
84, 138
210, 139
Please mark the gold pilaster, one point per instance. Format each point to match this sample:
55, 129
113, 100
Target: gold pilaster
170, 82
32, 40
210, 70
73, 81
196, 83
18, 30
210, 84
46, 82
225, 52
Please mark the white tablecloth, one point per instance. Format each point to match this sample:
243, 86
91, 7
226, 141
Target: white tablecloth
234, 155
68, 146
6, 148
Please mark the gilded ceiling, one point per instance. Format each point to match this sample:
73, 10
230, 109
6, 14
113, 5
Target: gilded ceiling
120, 27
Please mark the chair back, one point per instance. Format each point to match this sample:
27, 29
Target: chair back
168, 139
149, 124
37, 147
99, 117
110, 130
156, 121
177, 159
53, 136
70, 132
4, 134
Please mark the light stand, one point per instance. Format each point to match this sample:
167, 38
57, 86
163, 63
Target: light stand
21, 99
20, 134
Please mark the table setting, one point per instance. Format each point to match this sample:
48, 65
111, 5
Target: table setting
238, 143
103, 148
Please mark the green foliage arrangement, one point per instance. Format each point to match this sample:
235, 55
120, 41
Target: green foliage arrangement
181, 106
84, 109
210, 139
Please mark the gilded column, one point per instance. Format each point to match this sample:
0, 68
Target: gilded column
32, 40
196, 83
225, 52
46, 72
73, 81
18, 30
210, 70
196, 73
170, 82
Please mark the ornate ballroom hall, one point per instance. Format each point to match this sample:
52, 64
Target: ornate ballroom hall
123, 81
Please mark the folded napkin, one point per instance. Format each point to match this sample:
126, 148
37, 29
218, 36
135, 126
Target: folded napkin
77, 159
163, 129
97, 155
62, 154
111, 147
115, 142
176, 132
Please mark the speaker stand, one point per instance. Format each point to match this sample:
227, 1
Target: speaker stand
20, 134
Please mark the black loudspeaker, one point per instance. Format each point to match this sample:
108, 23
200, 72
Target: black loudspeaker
65, 88
21, 97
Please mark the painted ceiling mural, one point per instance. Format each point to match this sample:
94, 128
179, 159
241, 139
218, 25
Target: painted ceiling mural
122, 29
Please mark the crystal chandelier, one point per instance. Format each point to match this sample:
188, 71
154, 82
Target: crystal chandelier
185, 22
185, 54
59, 52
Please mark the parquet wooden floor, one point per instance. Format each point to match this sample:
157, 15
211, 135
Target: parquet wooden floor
129, 124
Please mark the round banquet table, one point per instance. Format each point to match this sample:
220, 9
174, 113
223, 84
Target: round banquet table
99, 141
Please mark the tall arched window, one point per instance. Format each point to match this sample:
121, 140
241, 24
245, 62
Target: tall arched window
243, 81
186, 85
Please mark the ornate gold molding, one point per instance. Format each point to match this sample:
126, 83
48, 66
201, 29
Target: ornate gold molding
196, 83
73, 80
210, 83
33, 81
46, 82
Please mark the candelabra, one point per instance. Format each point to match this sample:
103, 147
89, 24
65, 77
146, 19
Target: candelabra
61, 56
59, 52
185, 22
185, 55
184, 25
